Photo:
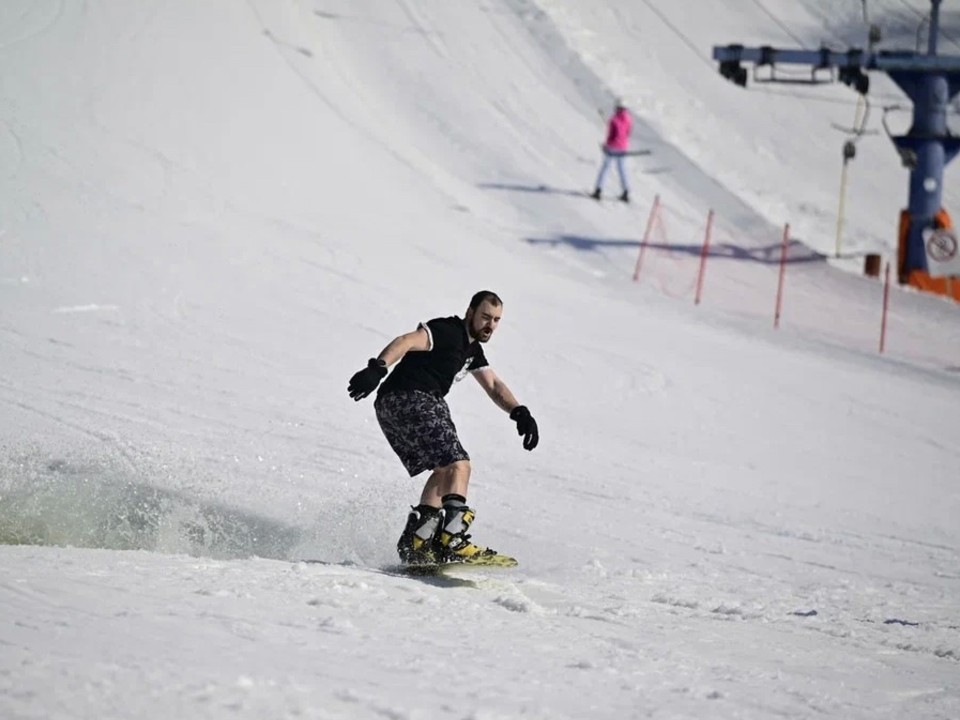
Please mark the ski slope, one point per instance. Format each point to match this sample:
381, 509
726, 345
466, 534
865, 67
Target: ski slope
212, 213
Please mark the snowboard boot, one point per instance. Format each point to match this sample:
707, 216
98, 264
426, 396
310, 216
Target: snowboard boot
453, 543
595, 194
625, 196
418, 541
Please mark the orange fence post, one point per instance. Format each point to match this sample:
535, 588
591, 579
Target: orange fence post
703, 258
654, 214
783, 268
886, 305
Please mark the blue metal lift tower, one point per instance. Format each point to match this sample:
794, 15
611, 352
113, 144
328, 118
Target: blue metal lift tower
930, 80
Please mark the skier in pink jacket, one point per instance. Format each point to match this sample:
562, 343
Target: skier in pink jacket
615, 148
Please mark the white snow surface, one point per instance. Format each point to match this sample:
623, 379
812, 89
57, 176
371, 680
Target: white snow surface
213, 212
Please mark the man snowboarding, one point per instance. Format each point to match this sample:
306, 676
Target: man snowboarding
615, 149
415, 419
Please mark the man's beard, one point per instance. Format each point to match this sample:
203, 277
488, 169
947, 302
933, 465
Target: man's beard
482, 335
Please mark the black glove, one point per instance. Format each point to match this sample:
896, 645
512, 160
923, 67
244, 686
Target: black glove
526, 426
365, 382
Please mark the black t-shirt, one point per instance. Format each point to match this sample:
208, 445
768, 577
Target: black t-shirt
451, 356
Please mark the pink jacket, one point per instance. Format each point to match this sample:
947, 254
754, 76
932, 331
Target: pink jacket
618, 130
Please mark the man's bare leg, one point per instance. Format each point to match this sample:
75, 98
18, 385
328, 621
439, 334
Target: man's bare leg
446, 480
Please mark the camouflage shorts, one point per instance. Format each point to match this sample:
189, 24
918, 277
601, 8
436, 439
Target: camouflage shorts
420, 430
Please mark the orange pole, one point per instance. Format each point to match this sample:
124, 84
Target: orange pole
783, 268
886, 305
704, 252
654, 214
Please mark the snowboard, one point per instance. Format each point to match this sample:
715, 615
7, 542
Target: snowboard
481, 563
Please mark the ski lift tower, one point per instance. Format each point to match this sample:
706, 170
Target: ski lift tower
929, 80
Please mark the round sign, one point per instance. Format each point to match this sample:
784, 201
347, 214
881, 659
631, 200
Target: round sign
942, 246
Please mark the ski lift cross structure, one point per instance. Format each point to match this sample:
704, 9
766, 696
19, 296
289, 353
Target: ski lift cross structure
929, 80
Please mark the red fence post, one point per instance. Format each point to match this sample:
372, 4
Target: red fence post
703, 258
886, 305
783, 268
654, 214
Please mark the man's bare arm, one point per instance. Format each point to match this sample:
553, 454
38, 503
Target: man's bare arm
419, 340
496, 389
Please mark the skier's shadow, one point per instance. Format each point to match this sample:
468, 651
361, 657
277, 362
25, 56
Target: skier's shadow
584, 243
540, 189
